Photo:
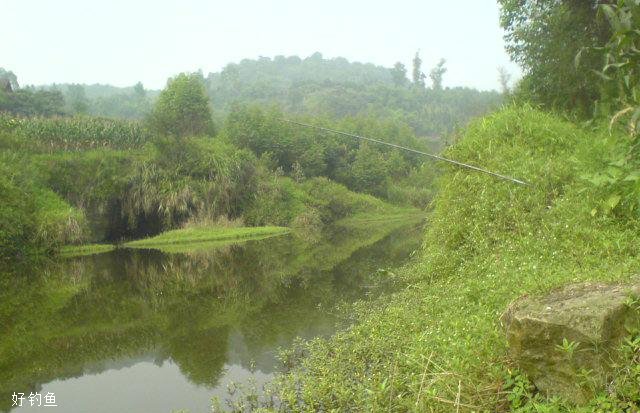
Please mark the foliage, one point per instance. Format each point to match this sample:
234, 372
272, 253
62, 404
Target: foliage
133, 102
621, 87
437, 345
76, 133
27, 102
33, 219
337, 88
544, 37
436, 75
182, 109
618, 179
76, 99
417, 75
129, 183
303, 152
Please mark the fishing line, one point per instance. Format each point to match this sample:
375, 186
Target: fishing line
440, 158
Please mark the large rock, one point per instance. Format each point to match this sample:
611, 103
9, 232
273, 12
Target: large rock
556, 339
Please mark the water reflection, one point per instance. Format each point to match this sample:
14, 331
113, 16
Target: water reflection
150, 331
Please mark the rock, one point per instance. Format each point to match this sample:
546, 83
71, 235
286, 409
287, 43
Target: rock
557, 338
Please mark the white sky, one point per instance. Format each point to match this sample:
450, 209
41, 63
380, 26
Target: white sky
121, 42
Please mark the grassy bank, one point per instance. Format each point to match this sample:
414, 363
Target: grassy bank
199, 235
437, 345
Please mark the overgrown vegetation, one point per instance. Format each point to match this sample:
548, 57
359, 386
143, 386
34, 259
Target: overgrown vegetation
124, 179
438, 345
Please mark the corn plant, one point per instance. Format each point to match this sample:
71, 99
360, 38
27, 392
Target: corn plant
77, 133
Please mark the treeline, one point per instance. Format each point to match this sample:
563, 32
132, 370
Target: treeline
334, 88
73, 99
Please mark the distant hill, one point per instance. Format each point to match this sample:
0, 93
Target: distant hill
338, 88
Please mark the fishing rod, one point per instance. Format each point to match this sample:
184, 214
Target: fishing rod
440, 158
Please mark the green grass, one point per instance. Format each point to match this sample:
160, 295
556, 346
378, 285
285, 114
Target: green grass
88, 249
201, 235
437, 345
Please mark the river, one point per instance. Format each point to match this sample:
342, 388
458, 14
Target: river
159, 331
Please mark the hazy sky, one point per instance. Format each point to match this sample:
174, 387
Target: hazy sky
123, 41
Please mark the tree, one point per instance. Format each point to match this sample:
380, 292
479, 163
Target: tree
504, 78
139, 92
77, 99
182, 108
436, 75
28, 101
8, 81
418, 76
544, 37
399, 74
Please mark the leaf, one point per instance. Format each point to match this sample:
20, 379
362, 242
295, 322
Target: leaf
576, 60
613, 201
633, 123
611, 15
633, 176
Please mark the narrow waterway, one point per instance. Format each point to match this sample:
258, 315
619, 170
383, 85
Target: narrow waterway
158, 331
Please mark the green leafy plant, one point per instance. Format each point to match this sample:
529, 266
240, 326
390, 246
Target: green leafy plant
569, 347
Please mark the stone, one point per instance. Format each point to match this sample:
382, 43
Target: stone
567, 341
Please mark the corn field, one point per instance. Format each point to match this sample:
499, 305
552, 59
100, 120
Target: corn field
77, 133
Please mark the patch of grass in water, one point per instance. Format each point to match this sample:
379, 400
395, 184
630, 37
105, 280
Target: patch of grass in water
166, 240
200, 246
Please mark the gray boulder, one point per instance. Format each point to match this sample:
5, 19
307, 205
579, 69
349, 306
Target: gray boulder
567, 341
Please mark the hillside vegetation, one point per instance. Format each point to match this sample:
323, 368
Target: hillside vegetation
438, 345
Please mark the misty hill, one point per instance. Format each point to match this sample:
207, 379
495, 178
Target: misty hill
337, 88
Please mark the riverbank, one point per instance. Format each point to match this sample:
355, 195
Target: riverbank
438, 345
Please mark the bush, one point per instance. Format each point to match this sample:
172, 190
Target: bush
277, 201
33, 219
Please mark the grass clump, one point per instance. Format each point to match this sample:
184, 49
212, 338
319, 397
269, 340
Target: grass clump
437, 345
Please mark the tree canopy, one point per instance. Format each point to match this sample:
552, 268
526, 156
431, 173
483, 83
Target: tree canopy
544, 37
182, 108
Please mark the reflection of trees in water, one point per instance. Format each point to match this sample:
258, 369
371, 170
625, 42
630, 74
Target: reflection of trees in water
190, 307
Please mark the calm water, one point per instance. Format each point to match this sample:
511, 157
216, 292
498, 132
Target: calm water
152, 331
